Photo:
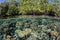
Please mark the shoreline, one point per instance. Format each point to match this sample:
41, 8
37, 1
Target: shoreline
29, 16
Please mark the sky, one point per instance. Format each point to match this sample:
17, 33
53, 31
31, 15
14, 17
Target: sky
3, 1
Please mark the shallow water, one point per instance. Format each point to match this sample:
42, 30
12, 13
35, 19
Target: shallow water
40, 28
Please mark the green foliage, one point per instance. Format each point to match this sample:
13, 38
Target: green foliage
26, 5
4, 8
13, 10
40, 5
56, 1
22, 7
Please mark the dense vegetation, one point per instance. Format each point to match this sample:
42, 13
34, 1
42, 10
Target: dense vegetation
30, 28
29, 7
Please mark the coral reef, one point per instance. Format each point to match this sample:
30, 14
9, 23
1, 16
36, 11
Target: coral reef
34, 28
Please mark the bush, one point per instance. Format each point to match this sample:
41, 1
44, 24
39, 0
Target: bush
13, 10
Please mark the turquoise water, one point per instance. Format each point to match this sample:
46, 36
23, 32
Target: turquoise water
39, 25
43, 19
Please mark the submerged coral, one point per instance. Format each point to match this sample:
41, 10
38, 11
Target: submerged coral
30, 29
